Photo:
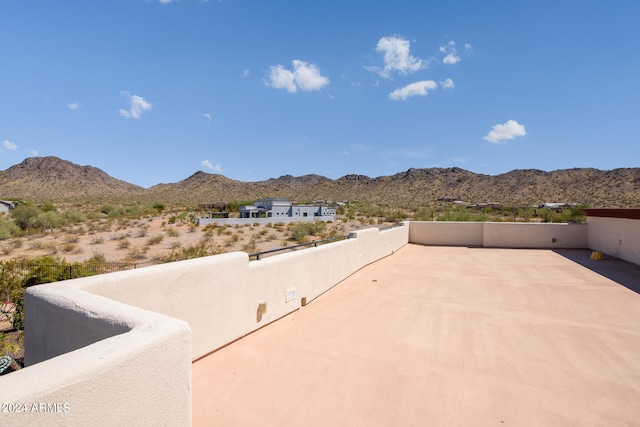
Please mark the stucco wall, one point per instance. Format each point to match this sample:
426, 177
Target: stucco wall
218, 296
446, 233
136, 372
617, 237
499, 234
535, 235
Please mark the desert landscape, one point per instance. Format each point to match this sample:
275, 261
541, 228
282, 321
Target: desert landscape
156, 237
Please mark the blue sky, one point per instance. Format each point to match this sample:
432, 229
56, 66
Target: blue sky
152, 91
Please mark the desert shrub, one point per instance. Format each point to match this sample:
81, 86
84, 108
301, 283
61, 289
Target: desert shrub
97, 258
8, 228
25, 216
459, 214
97, 240
137, 253
573, 215
36, 245
71, 217
201, 249
71, 238
155, 239
16, 276
68, 247
48, 207
124, 244
133, 210
109, 210
547, 215
172, 232
423, 215
121, 236
250, 246
302, 231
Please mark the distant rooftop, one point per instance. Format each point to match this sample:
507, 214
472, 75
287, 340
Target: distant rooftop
442, 336
626, 213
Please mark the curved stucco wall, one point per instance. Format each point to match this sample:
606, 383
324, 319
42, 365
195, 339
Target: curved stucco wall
94, 361
618, 237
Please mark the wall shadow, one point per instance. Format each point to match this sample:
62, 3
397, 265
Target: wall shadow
622, 272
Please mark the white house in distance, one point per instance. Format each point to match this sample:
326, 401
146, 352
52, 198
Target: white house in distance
275, 209
6, 206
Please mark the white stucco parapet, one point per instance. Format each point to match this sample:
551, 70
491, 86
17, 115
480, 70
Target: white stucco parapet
95, 361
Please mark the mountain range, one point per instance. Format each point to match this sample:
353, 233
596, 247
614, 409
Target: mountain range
41, 179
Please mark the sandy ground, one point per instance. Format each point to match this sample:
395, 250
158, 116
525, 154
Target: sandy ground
147, 238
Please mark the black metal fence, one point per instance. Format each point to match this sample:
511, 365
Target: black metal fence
258, 255
30, 274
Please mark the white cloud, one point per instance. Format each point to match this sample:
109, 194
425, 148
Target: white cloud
447, 84
207, 164
467, 46
245, 73
137, 105
73, 106
34, 153
165, 1
8, 145
305, 76
450, 52
421, 88
281, 78
396, 56
207, 116
504, 132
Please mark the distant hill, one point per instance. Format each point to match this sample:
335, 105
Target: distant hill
54, 179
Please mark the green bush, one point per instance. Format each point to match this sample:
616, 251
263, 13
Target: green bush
301, 231
8, 228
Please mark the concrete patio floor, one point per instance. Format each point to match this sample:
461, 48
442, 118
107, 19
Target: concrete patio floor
442, 336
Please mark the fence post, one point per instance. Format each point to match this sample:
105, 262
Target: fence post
70, 272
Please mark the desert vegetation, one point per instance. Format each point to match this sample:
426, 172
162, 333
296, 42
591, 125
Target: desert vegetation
162, 233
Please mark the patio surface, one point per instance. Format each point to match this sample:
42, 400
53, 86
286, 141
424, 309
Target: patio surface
442, 336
